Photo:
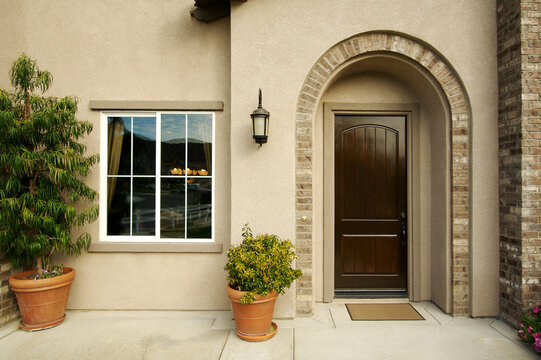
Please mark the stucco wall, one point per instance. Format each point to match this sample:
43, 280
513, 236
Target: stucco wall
135, 50
274, 45
132, 50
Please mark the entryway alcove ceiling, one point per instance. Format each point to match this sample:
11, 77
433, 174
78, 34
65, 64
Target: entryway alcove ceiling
440, 72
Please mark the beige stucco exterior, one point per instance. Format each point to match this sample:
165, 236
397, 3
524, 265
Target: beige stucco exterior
133, 51
102, 50
288, 46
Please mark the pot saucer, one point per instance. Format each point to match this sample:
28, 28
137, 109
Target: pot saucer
270, 334
37, 327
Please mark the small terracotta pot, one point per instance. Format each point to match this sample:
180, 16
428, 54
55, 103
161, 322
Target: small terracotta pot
42, 303
254, 319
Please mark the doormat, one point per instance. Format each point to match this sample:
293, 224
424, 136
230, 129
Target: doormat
380, 312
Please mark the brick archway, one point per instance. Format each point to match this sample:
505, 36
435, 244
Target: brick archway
443, 74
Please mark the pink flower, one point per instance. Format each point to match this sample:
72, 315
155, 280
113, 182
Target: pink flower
529, 329
535, 310
537, 345
536, 335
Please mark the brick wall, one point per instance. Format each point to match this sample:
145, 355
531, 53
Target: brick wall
531, 152
519, 121
8, 302
509, 137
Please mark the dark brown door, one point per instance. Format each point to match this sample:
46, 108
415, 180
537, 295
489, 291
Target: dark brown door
370, 203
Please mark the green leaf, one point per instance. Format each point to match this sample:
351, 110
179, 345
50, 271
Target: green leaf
261, 264
42, 169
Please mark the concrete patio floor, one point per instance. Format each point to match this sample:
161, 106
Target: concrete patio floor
330, 334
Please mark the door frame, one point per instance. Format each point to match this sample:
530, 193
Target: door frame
411, 111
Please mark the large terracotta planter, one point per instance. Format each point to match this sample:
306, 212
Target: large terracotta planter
42, 303
254, 321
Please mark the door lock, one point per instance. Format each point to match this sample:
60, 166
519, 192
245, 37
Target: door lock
404, 233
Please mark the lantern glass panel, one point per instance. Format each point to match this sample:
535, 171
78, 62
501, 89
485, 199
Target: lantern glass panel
259, 125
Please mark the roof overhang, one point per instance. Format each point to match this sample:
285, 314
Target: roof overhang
211, 10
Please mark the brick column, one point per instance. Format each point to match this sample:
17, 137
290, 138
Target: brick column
519, 122
531, 152
8, 302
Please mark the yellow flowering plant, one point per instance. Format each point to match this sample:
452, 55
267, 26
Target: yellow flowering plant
260, 264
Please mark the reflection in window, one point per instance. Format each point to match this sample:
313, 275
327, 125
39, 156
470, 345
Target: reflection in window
144, 206
118, 212
199, 142
181, 145
198, 211
144, 146
119, 145
186, 194
173, 145
172, 214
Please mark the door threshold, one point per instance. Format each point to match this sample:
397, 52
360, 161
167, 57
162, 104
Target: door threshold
372, 301
371, 294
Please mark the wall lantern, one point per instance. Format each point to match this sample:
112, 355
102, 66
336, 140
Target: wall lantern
260, 123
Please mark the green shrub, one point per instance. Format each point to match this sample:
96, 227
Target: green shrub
41, 169
261, 264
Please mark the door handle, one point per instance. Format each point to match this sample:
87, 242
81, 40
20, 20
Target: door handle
404, 233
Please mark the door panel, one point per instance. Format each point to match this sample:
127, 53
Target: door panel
362, 254
370, 202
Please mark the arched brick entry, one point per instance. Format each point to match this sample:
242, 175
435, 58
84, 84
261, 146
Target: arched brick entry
442, 72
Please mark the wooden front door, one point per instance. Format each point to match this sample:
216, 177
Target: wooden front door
370, 203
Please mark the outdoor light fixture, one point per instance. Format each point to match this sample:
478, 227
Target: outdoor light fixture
260, 123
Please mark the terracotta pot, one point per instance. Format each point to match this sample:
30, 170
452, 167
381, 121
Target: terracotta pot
42, 303
254, 319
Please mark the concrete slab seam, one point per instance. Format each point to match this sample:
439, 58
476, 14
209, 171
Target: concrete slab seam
500, 332
293, 345
5, 336
332, 318
8, 333
225, 343
435, 318
324, 323
333, 326
512, 340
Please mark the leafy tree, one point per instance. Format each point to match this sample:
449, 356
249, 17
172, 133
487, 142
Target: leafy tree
41, 169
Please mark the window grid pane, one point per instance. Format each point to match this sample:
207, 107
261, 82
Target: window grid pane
180, 197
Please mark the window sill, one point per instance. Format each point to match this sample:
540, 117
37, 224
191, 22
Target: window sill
150, 247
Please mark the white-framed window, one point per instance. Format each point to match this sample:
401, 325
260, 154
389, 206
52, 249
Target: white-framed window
157, 176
